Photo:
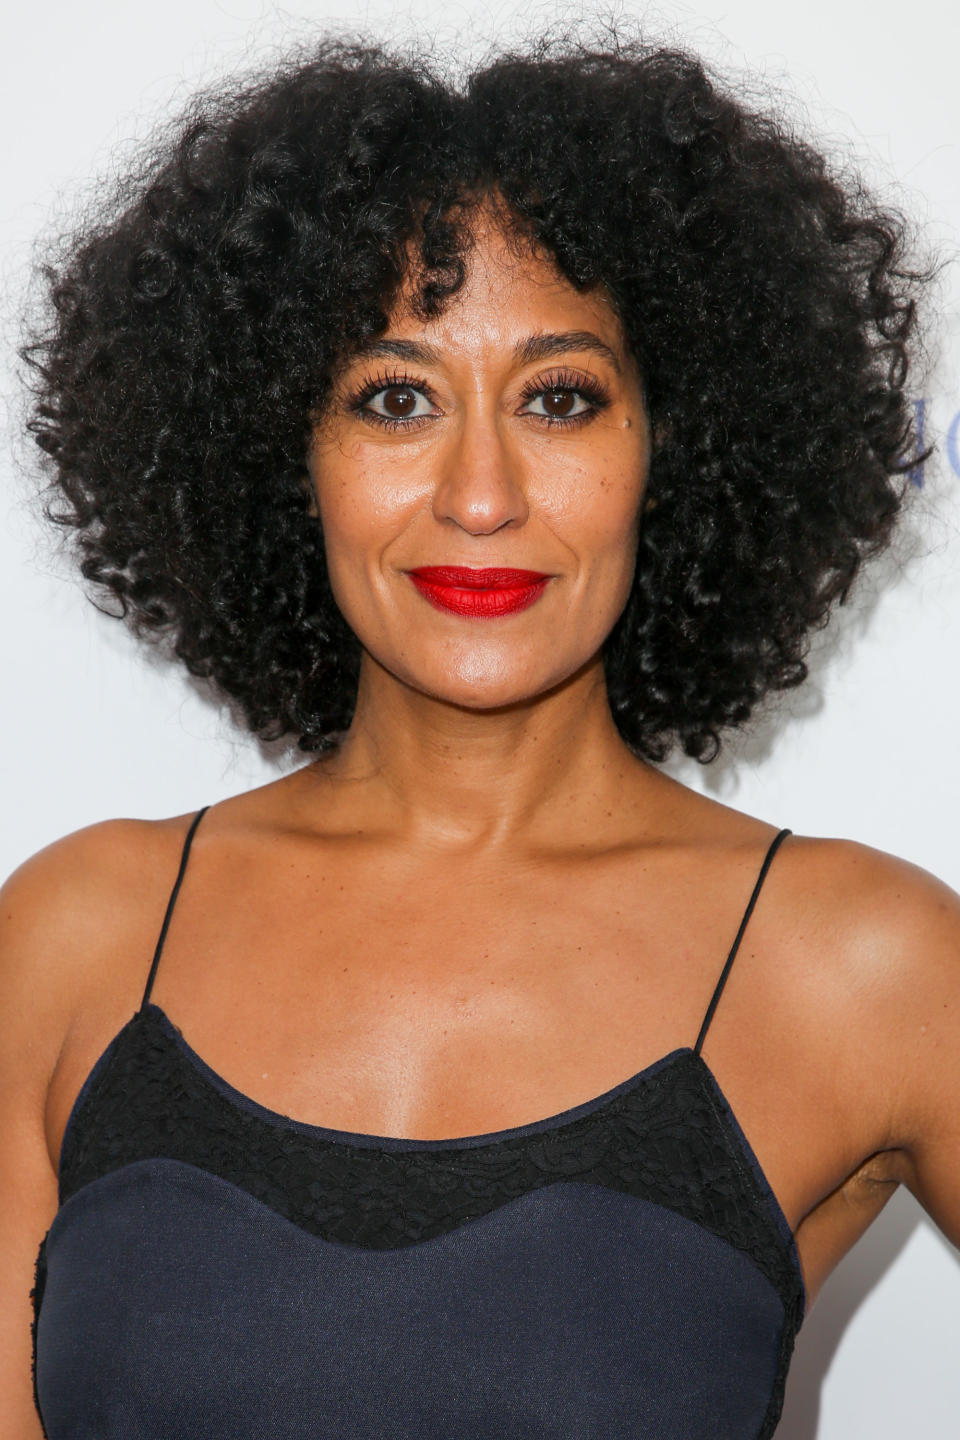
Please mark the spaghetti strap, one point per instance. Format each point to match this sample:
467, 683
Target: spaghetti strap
171, 902
715, 999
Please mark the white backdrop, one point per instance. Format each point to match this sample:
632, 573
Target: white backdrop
865, 750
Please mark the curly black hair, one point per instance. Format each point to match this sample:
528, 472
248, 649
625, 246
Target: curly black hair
192, 333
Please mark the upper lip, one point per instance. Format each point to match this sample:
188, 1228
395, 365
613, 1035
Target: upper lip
490, 578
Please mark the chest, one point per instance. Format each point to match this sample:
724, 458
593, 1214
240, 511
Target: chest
396, 999
431, 1001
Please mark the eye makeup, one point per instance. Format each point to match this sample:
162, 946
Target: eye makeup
569, 382
564, 381
358, 402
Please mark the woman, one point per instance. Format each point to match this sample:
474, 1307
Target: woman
490, 439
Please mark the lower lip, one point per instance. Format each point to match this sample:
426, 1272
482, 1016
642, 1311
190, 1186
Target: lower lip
484, 604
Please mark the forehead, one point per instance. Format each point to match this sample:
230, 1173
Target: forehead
512, 290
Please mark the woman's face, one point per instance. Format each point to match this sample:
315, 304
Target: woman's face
508, 432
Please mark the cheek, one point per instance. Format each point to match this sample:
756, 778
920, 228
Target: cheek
362, 506
620, 500
358, 505
622, 486
597, 507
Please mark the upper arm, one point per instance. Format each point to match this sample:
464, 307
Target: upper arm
33, 1027
911, 929
929, 1111
54, 912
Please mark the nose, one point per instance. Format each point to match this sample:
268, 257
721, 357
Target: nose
479, 486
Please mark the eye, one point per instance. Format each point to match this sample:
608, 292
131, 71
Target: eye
398, 402
394, 400
566, 398
559, 404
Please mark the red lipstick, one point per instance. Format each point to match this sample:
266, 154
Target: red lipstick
482, 593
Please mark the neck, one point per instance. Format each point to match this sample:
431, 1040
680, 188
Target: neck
457, 778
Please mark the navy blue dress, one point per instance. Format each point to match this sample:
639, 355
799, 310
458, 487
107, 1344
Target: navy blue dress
621, 1269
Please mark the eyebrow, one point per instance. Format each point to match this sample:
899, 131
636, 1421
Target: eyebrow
542, 347
534, 347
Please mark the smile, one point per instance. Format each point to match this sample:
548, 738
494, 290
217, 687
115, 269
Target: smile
480, 593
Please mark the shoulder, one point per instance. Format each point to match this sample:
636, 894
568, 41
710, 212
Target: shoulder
886, 928
884, 946
79, 886
844, 910
887, 919
74, 917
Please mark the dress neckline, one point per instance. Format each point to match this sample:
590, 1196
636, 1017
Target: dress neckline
153, 1014
360, 1139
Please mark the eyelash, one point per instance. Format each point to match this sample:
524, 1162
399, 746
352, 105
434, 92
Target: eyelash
563, 380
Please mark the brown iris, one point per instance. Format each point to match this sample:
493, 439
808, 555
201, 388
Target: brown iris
558, 402
399, 401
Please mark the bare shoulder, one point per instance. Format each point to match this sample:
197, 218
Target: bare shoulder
894, 925
67, 916
889, 962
